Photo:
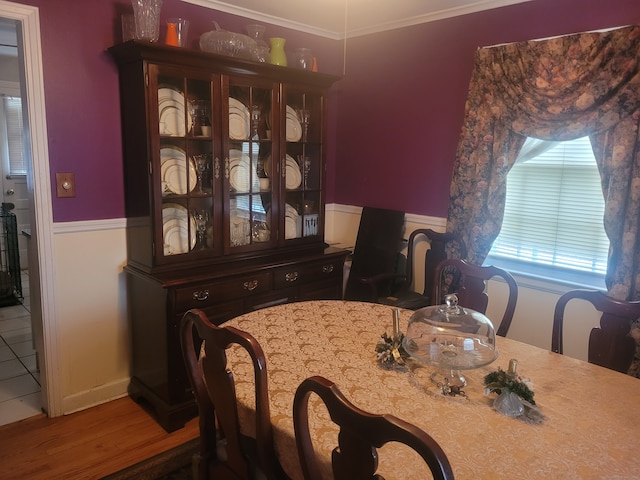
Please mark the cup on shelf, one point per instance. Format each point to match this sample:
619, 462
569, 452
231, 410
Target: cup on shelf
304, 58
147, 19
128, 27
177, 29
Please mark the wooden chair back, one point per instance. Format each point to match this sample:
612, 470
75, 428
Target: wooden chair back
204, 347
441, 246
376, 251
610, 345
469, 283
361, 433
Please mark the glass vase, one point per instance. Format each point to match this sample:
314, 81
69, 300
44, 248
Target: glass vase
278, 55
304, 58
147, 19
262, 49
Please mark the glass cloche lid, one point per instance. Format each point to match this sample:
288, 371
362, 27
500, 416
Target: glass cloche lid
451, 338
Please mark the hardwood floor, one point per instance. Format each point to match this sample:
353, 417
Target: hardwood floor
85, 445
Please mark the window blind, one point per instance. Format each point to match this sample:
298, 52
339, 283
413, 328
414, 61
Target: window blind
15, 145
554, 211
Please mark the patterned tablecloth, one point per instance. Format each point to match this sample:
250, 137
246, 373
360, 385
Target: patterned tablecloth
592, 414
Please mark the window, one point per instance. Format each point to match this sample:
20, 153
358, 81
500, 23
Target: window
553, 221
14, 147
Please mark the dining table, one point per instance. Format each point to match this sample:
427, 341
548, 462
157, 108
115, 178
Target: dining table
589, 416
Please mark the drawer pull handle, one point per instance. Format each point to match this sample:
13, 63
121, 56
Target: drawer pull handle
291, 276
327, 268
201, 295
251, 285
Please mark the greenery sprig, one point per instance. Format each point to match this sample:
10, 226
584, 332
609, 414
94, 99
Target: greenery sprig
501, 380
390, 352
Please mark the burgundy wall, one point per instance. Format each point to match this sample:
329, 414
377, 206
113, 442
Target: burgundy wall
82, 96
401, 102
397, 112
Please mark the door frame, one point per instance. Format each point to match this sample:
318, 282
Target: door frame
41, 252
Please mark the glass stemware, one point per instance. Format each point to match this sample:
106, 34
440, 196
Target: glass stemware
305, 166
202, 218
305, 116
202, 163
255, 121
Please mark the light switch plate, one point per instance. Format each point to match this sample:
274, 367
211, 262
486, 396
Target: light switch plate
65, 185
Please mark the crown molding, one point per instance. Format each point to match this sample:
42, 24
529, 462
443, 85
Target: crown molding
341, 29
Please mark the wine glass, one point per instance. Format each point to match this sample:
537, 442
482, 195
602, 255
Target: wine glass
305, 116
305, 166
202, 218
202, 163
255, 121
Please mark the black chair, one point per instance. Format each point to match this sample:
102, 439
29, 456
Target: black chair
376, 252
469, 283
610, 345
225, 452
441, 246
360, 434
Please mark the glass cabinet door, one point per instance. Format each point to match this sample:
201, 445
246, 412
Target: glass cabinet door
186, 169
250, 177
302, 166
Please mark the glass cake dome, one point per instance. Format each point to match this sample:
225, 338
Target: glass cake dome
451, 338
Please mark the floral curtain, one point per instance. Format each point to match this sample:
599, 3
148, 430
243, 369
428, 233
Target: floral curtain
556, 89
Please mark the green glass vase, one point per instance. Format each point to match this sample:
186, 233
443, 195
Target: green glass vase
278, 56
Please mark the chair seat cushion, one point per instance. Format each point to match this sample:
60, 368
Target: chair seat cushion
408, 299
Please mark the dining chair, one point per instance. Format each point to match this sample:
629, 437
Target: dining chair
225, 452
469, 282
376, 252
361, 433
441, 246
610, 345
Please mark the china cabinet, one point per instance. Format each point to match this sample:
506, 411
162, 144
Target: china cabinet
224, 185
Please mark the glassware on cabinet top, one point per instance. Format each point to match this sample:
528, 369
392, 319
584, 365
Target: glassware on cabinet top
278, 55
228, 43
262, 49
304, 58
147, 19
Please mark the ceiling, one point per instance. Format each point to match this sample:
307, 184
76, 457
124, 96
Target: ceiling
350, 18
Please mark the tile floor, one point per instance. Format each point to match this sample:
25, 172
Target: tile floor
19, 376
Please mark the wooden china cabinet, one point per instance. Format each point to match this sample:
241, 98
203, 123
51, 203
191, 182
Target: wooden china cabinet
224, 184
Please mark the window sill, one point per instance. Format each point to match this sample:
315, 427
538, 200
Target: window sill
548, 279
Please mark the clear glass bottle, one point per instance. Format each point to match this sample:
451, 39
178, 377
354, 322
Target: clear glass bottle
262, 48
304, 58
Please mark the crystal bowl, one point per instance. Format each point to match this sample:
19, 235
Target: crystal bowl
227, 43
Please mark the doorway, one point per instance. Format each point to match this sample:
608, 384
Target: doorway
39, 248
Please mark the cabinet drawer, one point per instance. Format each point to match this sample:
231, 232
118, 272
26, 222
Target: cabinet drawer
307, 272
207, 294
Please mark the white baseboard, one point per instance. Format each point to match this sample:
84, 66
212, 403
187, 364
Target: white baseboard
96, 396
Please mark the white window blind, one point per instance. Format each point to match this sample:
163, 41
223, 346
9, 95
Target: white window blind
554, 210
15, 146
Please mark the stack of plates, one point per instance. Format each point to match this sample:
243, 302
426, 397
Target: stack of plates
175, 229
171, 111
239, 120
174, 171
293, 177
292, 223
240, 171
294, 129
